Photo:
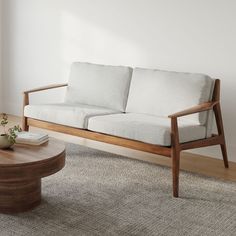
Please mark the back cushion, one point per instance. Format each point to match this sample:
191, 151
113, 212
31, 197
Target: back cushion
162, 93
99, 85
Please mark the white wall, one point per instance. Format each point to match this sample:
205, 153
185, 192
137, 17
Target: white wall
1, 83
43, 37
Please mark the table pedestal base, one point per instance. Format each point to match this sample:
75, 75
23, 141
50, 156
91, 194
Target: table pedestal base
19, 196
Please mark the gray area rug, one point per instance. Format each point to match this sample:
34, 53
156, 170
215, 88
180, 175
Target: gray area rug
100, 193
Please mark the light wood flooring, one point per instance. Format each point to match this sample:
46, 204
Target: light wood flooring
190, 162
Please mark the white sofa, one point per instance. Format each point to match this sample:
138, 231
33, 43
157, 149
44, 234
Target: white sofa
133, 104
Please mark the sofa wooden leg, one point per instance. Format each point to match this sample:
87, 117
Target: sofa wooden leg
25, 126
175, 155
220, 127
224, 154
175, 171
219, 122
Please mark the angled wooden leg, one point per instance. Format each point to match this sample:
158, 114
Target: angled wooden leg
175, 155
175, 171
224, 154
219, 123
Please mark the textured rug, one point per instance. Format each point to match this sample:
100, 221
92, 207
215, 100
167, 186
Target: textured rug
100, 193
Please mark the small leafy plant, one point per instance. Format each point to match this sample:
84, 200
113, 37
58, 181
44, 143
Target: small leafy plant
10, 133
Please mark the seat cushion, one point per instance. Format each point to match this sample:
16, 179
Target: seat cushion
162, 93
145, 128
74, 115
99, 85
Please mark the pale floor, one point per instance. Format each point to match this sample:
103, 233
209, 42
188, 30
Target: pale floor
190, 162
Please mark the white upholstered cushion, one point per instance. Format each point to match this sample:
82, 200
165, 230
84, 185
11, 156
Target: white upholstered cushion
162, 93
74, 115
99, 85
145, 128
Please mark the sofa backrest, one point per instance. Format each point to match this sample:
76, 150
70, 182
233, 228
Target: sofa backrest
99, 85
162, 93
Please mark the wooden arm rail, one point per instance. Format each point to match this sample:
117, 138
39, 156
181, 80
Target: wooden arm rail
45, 88
199, 108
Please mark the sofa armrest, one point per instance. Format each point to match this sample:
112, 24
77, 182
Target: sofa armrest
199, 108
26, 93
45, 88
174, 123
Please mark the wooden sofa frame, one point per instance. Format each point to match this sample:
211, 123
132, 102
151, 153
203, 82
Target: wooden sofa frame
172, 151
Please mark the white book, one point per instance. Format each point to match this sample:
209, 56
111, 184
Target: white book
30, 137
33, 143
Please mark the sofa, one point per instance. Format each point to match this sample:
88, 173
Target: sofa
156, 111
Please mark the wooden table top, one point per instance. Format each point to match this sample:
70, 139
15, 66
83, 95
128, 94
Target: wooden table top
23, 155
25, 162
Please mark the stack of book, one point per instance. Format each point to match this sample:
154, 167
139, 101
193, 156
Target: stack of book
31, 138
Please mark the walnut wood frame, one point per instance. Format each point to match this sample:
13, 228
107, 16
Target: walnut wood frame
172, 151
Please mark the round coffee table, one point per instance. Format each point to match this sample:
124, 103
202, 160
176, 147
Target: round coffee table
21, 170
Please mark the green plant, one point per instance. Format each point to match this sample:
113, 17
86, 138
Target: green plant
10, 133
